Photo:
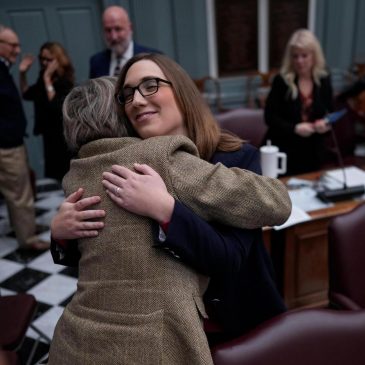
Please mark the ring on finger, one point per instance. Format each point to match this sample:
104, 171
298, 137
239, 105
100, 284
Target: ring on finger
117, 191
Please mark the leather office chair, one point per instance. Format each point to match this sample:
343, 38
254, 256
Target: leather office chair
346, 245
8, 358
349, 130
16, 315
309, 336
248, 124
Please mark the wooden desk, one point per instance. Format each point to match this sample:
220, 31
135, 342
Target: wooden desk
300, 255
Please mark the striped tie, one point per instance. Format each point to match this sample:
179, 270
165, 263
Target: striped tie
117, 67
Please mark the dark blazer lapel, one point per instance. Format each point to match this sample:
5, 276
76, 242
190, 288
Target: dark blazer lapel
105, 62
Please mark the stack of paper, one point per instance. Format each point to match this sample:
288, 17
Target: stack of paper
354, 176
297, 216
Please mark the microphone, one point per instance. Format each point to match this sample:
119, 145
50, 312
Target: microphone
345, 192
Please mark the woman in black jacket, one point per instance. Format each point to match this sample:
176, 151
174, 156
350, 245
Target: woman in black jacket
299, 100
56, 79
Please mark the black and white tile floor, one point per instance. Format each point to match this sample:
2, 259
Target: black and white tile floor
34, 272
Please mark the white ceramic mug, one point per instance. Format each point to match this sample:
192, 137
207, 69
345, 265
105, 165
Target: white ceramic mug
273, 162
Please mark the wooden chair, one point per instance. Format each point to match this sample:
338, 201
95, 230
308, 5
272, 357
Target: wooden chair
248, 124
346, 247
308, 336
211, 83
258, 88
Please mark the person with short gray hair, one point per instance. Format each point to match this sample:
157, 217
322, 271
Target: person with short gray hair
157, 97
135, 304
90, 112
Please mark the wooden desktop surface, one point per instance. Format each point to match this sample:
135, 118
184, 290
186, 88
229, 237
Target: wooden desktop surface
338, 207
300, 254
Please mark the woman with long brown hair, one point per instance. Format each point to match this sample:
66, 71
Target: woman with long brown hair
56, 79
158, 98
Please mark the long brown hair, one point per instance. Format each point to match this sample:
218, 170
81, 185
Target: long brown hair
65, 68
200, 123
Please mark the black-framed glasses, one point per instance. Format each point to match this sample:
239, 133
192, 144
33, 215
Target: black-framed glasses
146, 87
11, 44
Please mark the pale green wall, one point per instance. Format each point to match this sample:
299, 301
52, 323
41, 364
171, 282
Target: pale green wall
177, 27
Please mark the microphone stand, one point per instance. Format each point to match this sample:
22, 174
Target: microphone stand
345, 192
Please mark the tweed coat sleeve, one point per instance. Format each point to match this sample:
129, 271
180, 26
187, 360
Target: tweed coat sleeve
211, 248
232, 196
241, 293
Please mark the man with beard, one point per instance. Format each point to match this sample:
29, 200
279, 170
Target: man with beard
121, 47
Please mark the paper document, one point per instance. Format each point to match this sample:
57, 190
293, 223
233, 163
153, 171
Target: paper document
354, 176
306, 199
297, 216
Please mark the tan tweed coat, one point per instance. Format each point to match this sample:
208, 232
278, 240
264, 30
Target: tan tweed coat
134, 304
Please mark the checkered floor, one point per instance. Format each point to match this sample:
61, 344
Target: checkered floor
35, 273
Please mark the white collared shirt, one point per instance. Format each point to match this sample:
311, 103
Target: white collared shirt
126, 56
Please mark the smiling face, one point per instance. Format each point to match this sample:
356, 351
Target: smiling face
157, 114
302, 61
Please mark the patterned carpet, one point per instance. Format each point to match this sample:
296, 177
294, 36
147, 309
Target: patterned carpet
34, 272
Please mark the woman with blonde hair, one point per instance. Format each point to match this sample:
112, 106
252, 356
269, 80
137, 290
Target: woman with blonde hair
56, 79
299, 100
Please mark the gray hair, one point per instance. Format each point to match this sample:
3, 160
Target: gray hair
90, 112
304, 39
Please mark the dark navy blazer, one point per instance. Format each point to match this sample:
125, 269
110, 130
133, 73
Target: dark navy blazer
242, 292
12, 117
100, 62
